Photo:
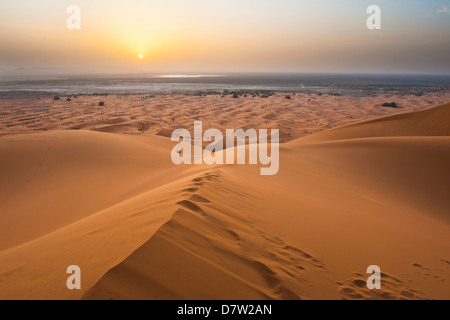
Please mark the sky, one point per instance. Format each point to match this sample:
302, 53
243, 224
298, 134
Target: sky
219, 36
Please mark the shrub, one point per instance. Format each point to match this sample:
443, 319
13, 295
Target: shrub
390, 105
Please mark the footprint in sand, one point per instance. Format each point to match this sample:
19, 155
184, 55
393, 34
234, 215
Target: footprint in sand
191, 206
197, 198
427, 272
391, 289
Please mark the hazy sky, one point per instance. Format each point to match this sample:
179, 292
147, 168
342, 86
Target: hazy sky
226, 36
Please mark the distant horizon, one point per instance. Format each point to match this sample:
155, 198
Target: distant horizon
59, 75
351, 84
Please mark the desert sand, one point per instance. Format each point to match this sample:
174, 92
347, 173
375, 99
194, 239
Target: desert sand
351, 192
301, 115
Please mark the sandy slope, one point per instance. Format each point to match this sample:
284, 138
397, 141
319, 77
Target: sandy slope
131, 179
336, 207
80, 171
433, 121
309, 232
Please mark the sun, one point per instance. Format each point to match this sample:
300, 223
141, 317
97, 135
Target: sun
141, 56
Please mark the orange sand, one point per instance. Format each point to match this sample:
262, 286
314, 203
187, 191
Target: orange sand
139, 227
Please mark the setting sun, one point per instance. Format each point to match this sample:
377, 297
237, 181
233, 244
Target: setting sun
141, 56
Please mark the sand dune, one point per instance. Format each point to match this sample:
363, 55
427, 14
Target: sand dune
79, 171
433, 121
97, 240
344, 199
211, 250
307, 233
353, 204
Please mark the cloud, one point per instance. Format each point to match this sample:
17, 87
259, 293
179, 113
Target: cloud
444, 10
